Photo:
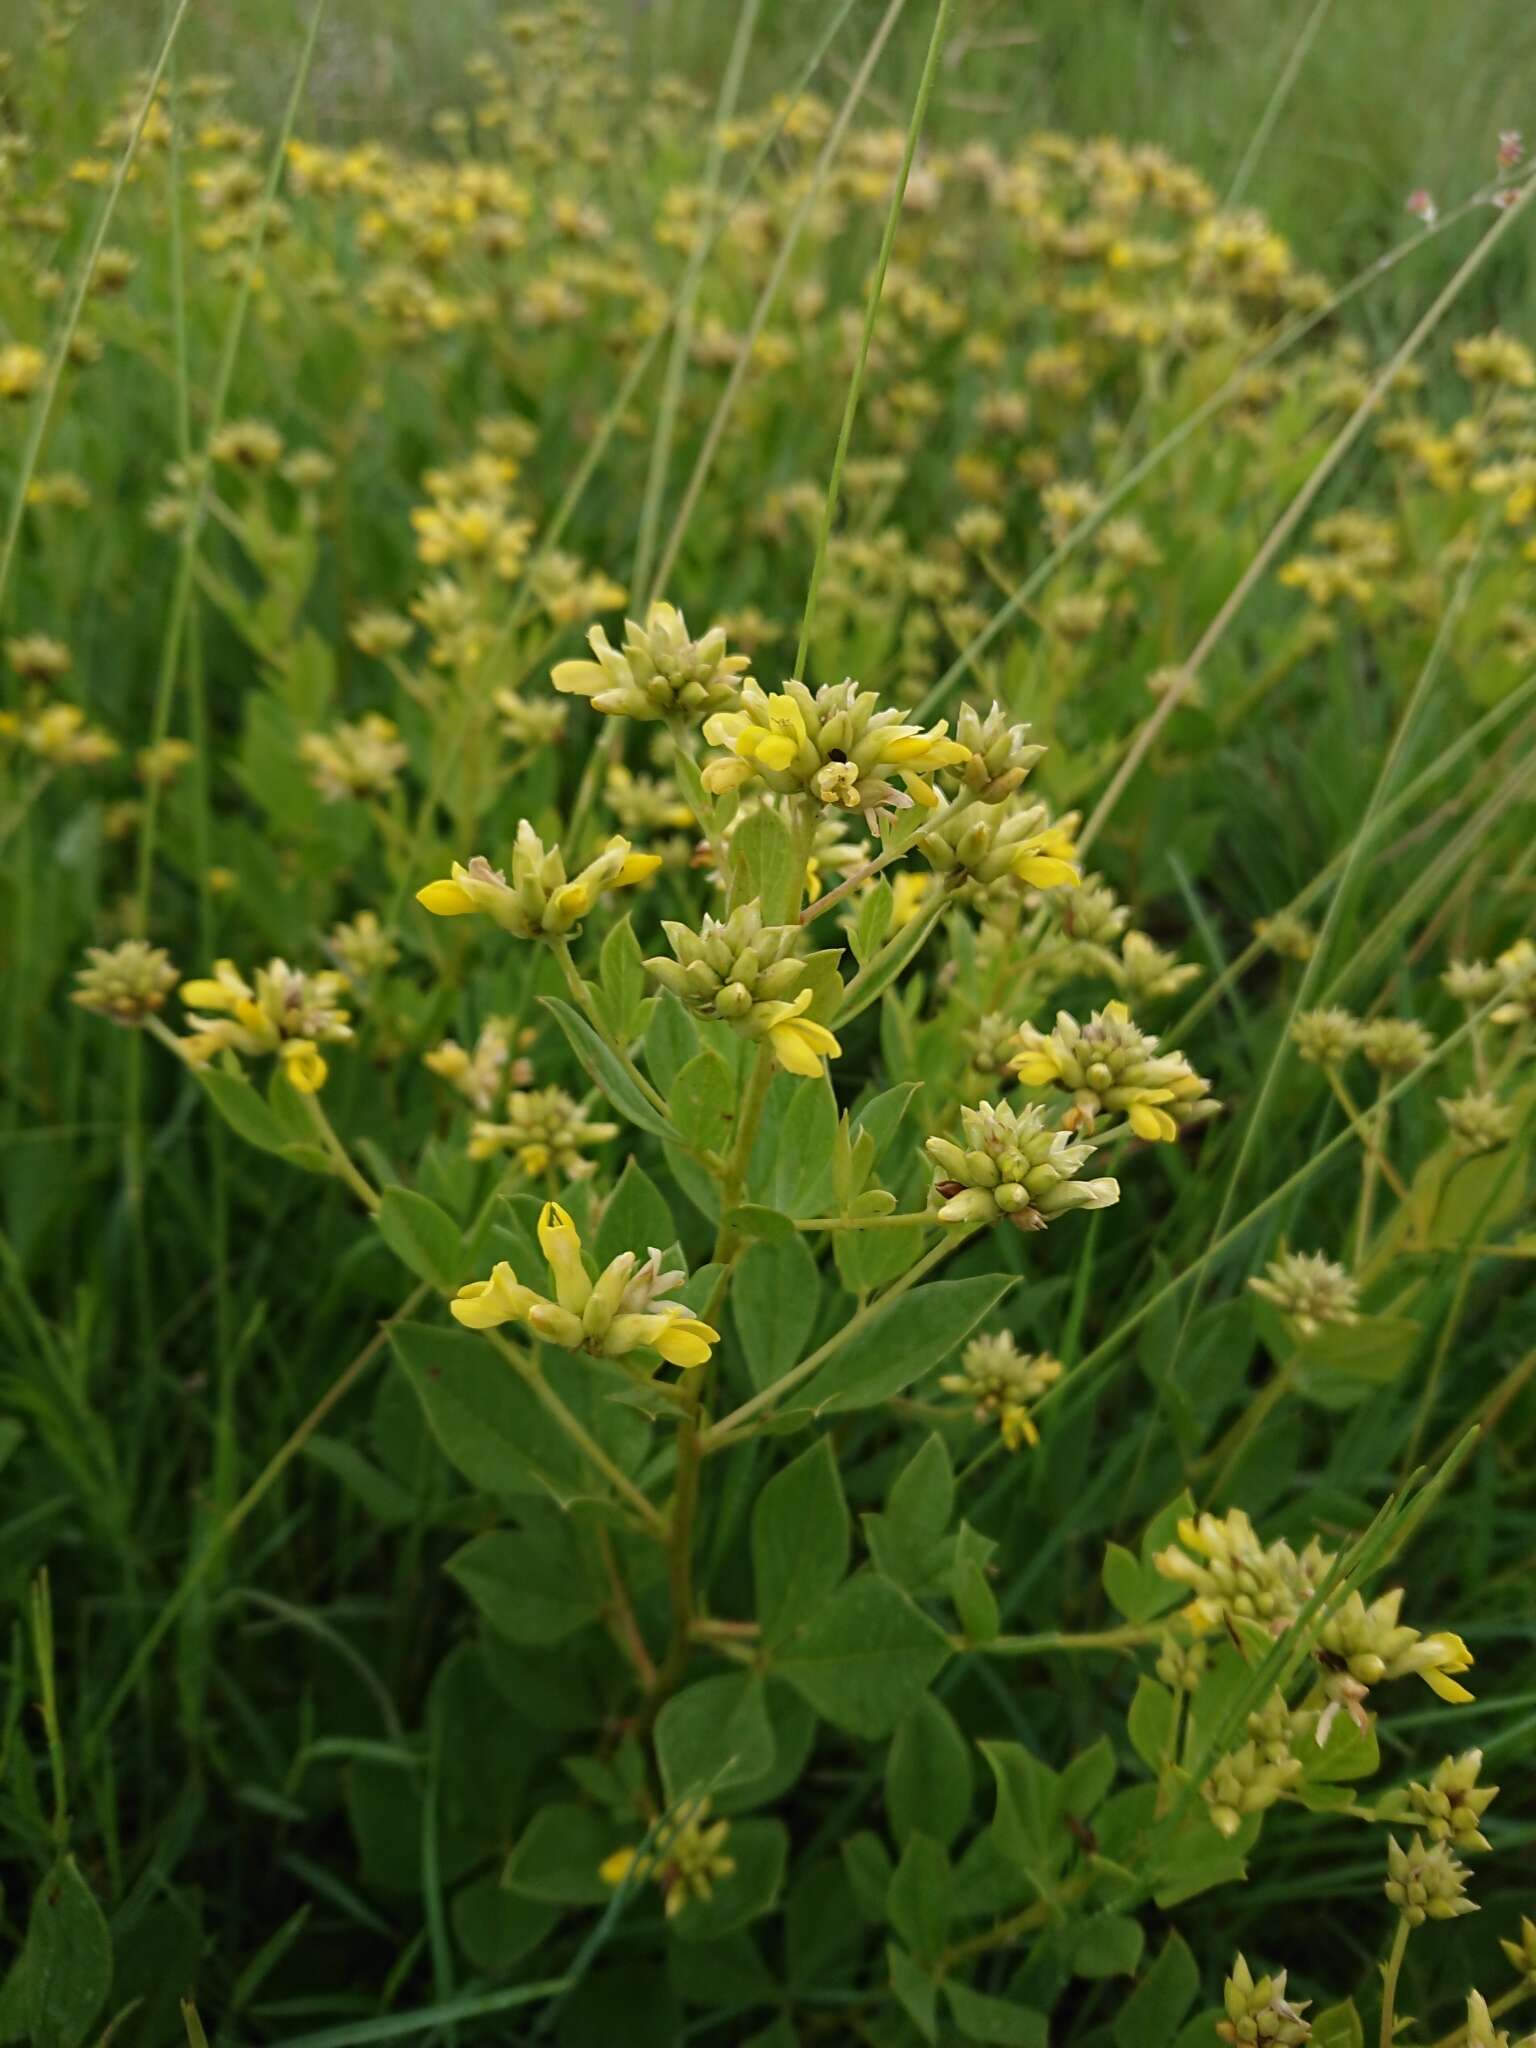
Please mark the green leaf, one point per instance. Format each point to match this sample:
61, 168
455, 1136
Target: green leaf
558, 1858
905, 1337
635, 1217
774, 1299
867, 1862
243, 1109
1344, 1363
380, 1493
800, 1541
64, 1972
921, 1897
421, 1236
1085, 1780
603, 1068
876, 906
703, 1101
1026, 1826
1151, 1719
622, 979
1349, 1753
915, 1990
714, 1735
866, 1657
1138, 1590
1151, 2015
530, 1588
496, 1928
764, 864
998, 2020
1109, 1945
975, 1601
928, 1774
1338, 2027
485, 1420
792, 1160
670, 1041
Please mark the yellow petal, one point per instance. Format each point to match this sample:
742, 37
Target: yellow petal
1035, 1069
924, 792
205, 995
1044, 871
637, 868
615, 1868
304, 1066
687, 1343
445, 899
774, 750
1155, 1125
1446, 1688
578, 678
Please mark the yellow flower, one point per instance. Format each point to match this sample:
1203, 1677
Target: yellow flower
686, 1342
1436, 1658
560, 1242
1155, 1125
798, 1043
1046, 859
483, 1304
304, 1066
909, 891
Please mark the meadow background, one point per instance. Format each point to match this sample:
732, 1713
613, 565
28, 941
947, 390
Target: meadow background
229, 1679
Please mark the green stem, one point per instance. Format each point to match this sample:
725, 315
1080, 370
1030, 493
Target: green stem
910, 1219
1389, 1983
528, 1372
731, 1425
1368, 1175
325, 1130
871, 310
1133, 1636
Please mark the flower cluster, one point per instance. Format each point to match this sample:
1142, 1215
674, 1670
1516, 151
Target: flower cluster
361, 759
659, 672
1426, 1882
477, 1075
281, 1010
538, 902
1234, 1577
1110, 1064
618, 1312
833, 745
684, 1855
546, 1131
1451, 1806
1258, 2011
748, 975
999, 1383
1013, 1165
127, 983
1309, 1289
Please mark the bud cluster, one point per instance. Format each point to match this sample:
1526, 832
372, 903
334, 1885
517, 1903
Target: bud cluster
1426, 1883
1110, 1064
1309, 1289
982, 845
127, 982
546, 1130
750, 975
686, 1856
1001, 752
1451, 1806
1012, 1165
1477, 1121
1234, 1576
361, 759
1000, 1383
659, 672
538, 902
1257, 2010
618, 1312
280, 1010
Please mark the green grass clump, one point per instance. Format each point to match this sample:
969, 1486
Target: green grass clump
765, 1183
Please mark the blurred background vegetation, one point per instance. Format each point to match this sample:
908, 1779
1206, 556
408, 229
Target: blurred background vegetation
1389, 95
